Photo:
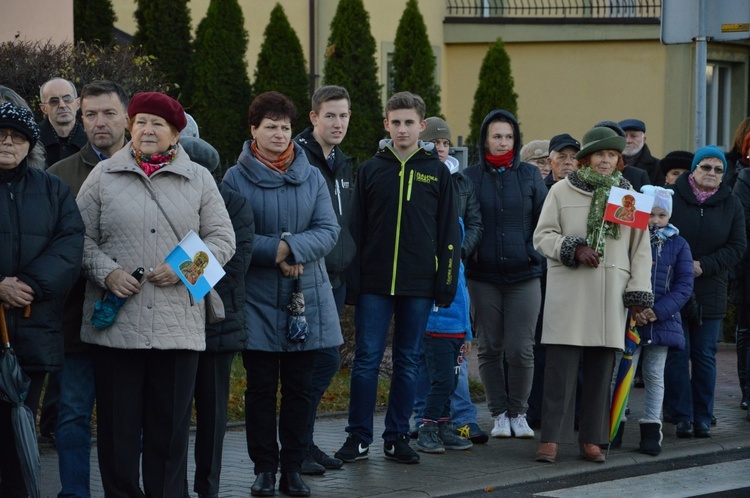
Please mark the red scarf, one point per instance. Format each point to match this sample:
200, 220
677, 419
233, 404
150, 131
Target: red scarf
504, 161
280, 164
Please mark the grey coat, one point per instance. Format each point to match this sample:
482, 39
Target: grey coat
296, 203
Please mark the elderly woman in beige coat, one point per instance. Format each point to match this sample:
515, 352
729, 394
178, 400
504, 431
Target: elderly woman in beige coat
137, 206
596, 271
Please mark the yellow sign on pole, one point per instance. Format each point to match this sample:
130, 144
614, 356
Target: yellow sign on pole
735, 28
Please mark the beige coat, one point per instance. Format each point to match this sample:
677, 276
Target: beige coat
586, 306
125, 229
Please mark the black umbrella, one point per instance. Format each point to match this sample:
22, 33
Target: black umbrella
14, 386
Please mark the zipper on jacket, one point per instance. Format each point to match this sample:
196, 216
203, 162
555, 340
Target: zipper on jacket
411, 182
399, 213
338, 196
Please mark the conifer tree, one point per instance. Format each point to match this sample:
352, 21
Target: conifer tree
220, 94
350, 62
94, 21
413, 60
163, 30
281, 66
495, 89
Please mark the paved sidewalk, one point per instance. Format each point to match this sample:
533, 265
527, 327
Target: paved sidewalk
498, 463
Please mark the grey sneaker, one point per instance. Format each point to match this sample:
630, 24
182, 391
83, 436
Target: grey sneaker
450, 440
428, 440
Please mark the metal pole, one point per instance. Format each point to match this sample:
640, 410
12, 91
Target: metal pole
700, 77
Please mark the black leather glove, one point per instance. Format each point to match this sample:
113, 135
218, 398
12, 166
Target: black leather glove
587, 256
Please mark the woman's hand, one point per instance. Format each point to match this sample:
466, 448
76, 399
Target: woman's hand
15, 293
162, 276
697, 270
587, 256
283, 251
290, 271
645, 317
121, 284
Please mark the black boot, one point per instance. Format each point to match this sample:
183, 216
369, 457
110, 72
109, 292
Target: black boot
291, 484
743, 343
651, 437
264, 485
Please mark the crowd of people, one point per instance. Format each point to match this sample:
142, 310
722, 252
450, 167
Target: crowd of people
514, 254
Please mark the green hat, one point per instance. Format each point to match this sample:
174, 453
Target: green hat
600, 138
436, 128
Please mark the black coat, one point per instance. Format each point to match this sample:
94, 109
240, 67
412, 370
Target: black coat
230, 334
340, 181
56, 150
41, 243
637, 177
650, 164
741, 289
468, 209
715, 231
510, 203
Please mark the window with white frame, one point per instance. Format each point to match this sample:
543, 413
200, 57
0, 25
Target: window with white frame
718, 104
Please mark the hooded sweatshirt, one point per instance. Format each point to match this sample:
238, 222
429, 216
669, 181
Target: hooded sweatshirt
405, 226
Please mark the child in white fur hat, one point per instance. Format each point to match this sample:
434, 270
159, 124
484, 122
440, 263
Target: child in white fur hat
660, 326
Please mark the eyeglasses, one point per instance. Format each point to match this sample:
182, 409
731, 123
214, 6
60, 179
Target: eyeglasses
55, 101
16, 138
706, 168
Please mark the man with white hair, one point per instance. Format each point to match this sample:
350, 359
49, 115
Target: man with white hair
62, 135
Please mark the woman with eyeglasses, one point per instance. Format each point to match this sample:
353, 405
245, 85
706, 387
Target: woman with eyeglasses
712, 222
41, 246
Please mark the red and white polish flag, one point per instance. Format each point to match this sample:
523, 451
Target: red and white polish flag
629, 208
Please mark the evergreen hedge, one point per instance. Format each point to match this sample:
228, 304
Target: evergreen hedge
495, 90
414, 62
94, 21
220, 93
163, 30
281, 66
350, 62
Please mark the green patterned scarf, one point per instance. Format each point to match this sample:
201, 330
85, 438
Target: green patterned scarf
597, 230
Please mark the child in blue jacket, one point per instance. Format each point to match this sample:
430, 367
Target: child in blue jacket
660, 327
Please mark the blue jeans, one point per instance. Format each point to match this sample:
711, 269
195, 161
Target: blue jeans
690, 394
463, 411
73, 431
372, 318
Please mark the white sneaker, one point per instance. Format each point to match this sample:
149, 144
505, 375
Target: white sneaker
521, 428
502, 426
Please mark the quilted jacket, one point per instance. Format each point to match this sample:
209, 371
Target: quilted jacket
672, 283
125, 229
41, 242
298, 205
510, 203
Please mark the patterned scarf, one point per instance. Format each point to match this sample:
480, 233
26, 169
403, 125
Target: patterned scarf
659, 235
150, 163
701, 195
597, 230
500, 162
280, 164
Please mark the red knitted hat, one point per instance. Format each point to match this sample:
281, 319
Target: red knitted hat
158, 104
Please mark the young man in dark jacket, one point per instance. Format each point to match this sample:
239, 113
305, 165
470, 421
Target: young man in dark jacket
405, 224
331, 109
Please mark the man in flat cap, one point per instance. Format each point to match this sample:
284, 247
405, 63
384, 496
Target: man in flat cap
636, 152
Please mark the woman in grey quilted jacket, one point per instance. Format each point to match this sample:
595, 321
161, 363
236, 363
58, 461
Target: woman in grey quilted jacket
137, 206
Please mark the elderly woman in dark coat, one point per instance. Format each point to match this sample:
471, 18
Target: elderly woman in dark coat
295, 227
711, 221
41, 246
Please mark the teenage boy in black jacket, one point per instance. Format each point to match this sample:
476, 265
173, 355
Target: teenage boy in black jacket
405, 224
331, 109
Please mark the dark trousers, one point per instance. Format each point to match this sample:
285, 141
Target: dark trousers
211, 398
50, 408
560, 386
264, 370
143, 405
327, 361
11, 480
441, 355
